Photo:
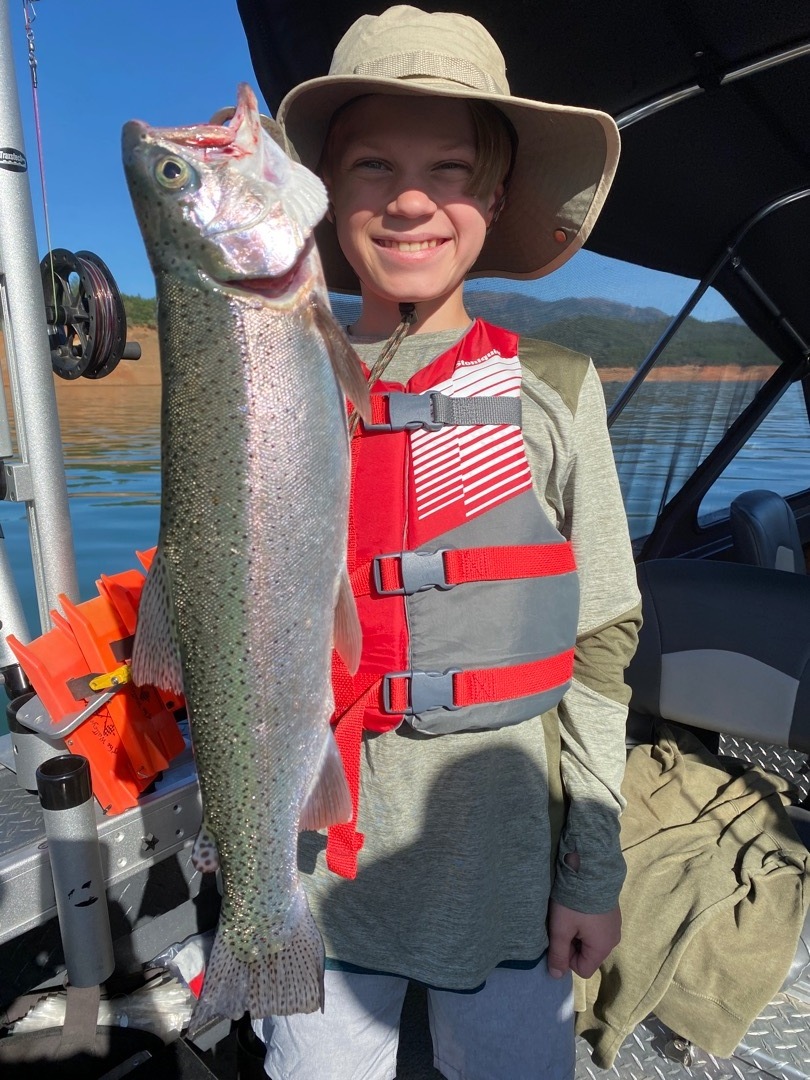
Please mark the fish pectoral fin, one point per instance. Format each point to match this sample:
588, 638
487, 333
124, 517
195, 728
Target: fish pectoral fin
345, 361
155, 651
348, 636
329, 801
305, 199
204, 854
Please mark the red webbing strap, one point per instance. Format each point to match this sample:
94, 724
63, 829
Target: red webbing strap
477, 564
344, 841
487, 685
503, 563
379, 408
360, 580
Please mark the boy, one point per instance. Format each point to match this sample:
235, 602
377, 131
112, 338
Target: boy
484, 732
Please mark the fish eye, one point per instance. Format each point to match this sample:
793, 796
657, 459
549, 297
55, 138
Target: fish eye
172, 173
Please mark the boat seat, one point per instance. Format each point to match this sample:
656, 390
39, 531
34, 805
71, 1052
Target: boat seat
724, 648
765, 533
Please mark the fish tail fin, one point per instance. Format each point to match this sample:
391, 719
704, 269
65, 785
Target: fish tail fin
280, 981
345, 361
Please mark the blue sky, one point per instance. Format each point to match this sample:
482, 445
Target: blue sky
103, 62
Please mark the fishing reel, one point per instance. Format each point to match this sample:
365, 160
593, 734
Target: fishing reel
87, 324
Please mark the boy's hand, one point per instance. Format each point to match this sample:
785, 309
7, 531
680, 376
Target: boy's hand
578, 941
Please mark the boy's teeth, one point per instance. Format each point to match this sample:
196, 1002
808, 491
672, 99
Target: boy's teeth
410, 246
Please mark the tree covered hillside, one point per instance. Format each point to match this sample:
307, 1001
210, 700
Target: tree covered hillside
619, 335
616, 343
141, 310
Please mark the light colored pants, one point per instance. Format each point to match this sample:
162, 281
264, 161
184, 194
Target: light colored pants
520, 1026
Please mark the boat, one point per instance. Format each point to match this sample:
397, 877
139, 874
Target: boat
708, 413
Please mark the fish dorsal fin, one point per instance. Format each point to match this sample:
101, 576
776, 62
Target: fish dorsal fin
328, 802
246, 125
345, 361
155, 652
348, 637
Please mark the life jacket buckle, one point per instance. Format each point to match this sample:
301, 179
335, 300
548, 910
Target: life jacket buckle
408, 412
424, 690
418, 570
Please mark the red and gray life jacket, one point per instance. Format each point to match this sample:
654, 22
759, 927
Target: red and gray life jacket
467, 594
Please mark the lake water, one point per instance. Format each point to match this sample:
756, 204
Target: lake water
111, 439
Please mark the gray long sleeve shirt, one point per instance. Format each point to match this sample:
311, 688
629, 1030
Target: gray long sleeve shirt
465, 833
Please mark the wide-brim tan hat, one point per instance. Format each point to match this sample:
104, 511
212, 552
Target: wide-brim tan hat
566, 156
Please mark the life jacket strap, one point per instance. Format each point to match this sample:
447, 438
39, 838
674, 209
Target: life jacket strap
410, 693
343, 842
407, 572
400, 411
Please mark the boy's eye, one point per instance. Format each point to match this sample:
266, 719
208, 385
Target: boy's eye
463, 168
374, 164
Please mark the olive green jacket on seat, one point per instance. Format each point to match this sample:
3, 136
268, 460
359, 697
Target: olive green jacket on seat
713, 903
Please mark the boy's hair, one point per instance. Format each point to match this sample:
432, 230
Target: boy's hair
495, 146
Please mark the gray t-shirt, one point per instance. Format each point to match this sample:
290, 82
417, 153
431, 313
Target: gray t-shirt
457, 868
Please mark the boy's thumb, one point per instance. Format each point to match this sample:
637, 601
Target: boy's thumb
557, 961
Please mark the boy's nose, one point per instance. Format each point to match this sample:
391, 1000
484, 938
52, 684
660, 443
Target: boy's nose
411, 202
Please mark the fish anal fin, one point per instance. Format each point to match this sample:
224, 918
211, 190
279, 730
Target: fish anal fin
345, 361
329, 801
156, 651
348, 635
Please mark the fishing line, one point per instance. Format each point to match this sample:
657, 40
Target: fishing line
30, 19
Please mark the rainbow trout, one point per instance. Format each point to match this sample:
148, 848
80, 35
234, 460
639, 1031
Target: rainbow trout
248, 589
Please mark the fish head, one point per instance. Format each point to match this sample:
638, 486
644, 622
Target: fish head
223, 202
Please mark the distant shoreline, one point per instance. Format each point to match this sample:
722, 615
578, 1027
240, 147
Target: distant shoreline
146, 371
691, 373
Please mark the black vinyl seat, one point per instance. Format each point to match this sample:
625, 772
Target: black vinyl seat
765, 533
724, 648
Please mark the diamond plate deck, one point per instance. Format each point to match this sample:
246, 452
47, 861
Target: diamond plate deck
20, 816
792, 764
777, 1047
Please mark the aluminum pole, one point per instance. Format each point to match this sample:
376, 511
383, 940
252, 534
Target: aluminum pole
39, 478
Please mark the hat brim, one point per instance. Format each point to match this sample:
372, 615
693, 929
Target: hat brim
564, 167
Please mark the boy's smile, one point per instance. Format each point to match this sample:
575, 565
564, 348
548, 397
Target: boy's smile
398, 185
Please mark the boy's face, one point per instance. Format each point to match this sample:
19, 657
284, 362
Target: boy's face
397, 182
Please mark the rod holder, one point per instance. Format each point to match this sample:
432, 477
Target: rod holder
66, 797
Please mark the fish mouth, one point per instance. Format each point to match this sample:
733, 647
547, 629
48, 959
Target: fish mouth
280, 285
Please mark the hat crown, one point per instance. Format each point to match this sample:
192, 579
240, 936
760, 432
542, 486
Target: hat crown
407, 43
